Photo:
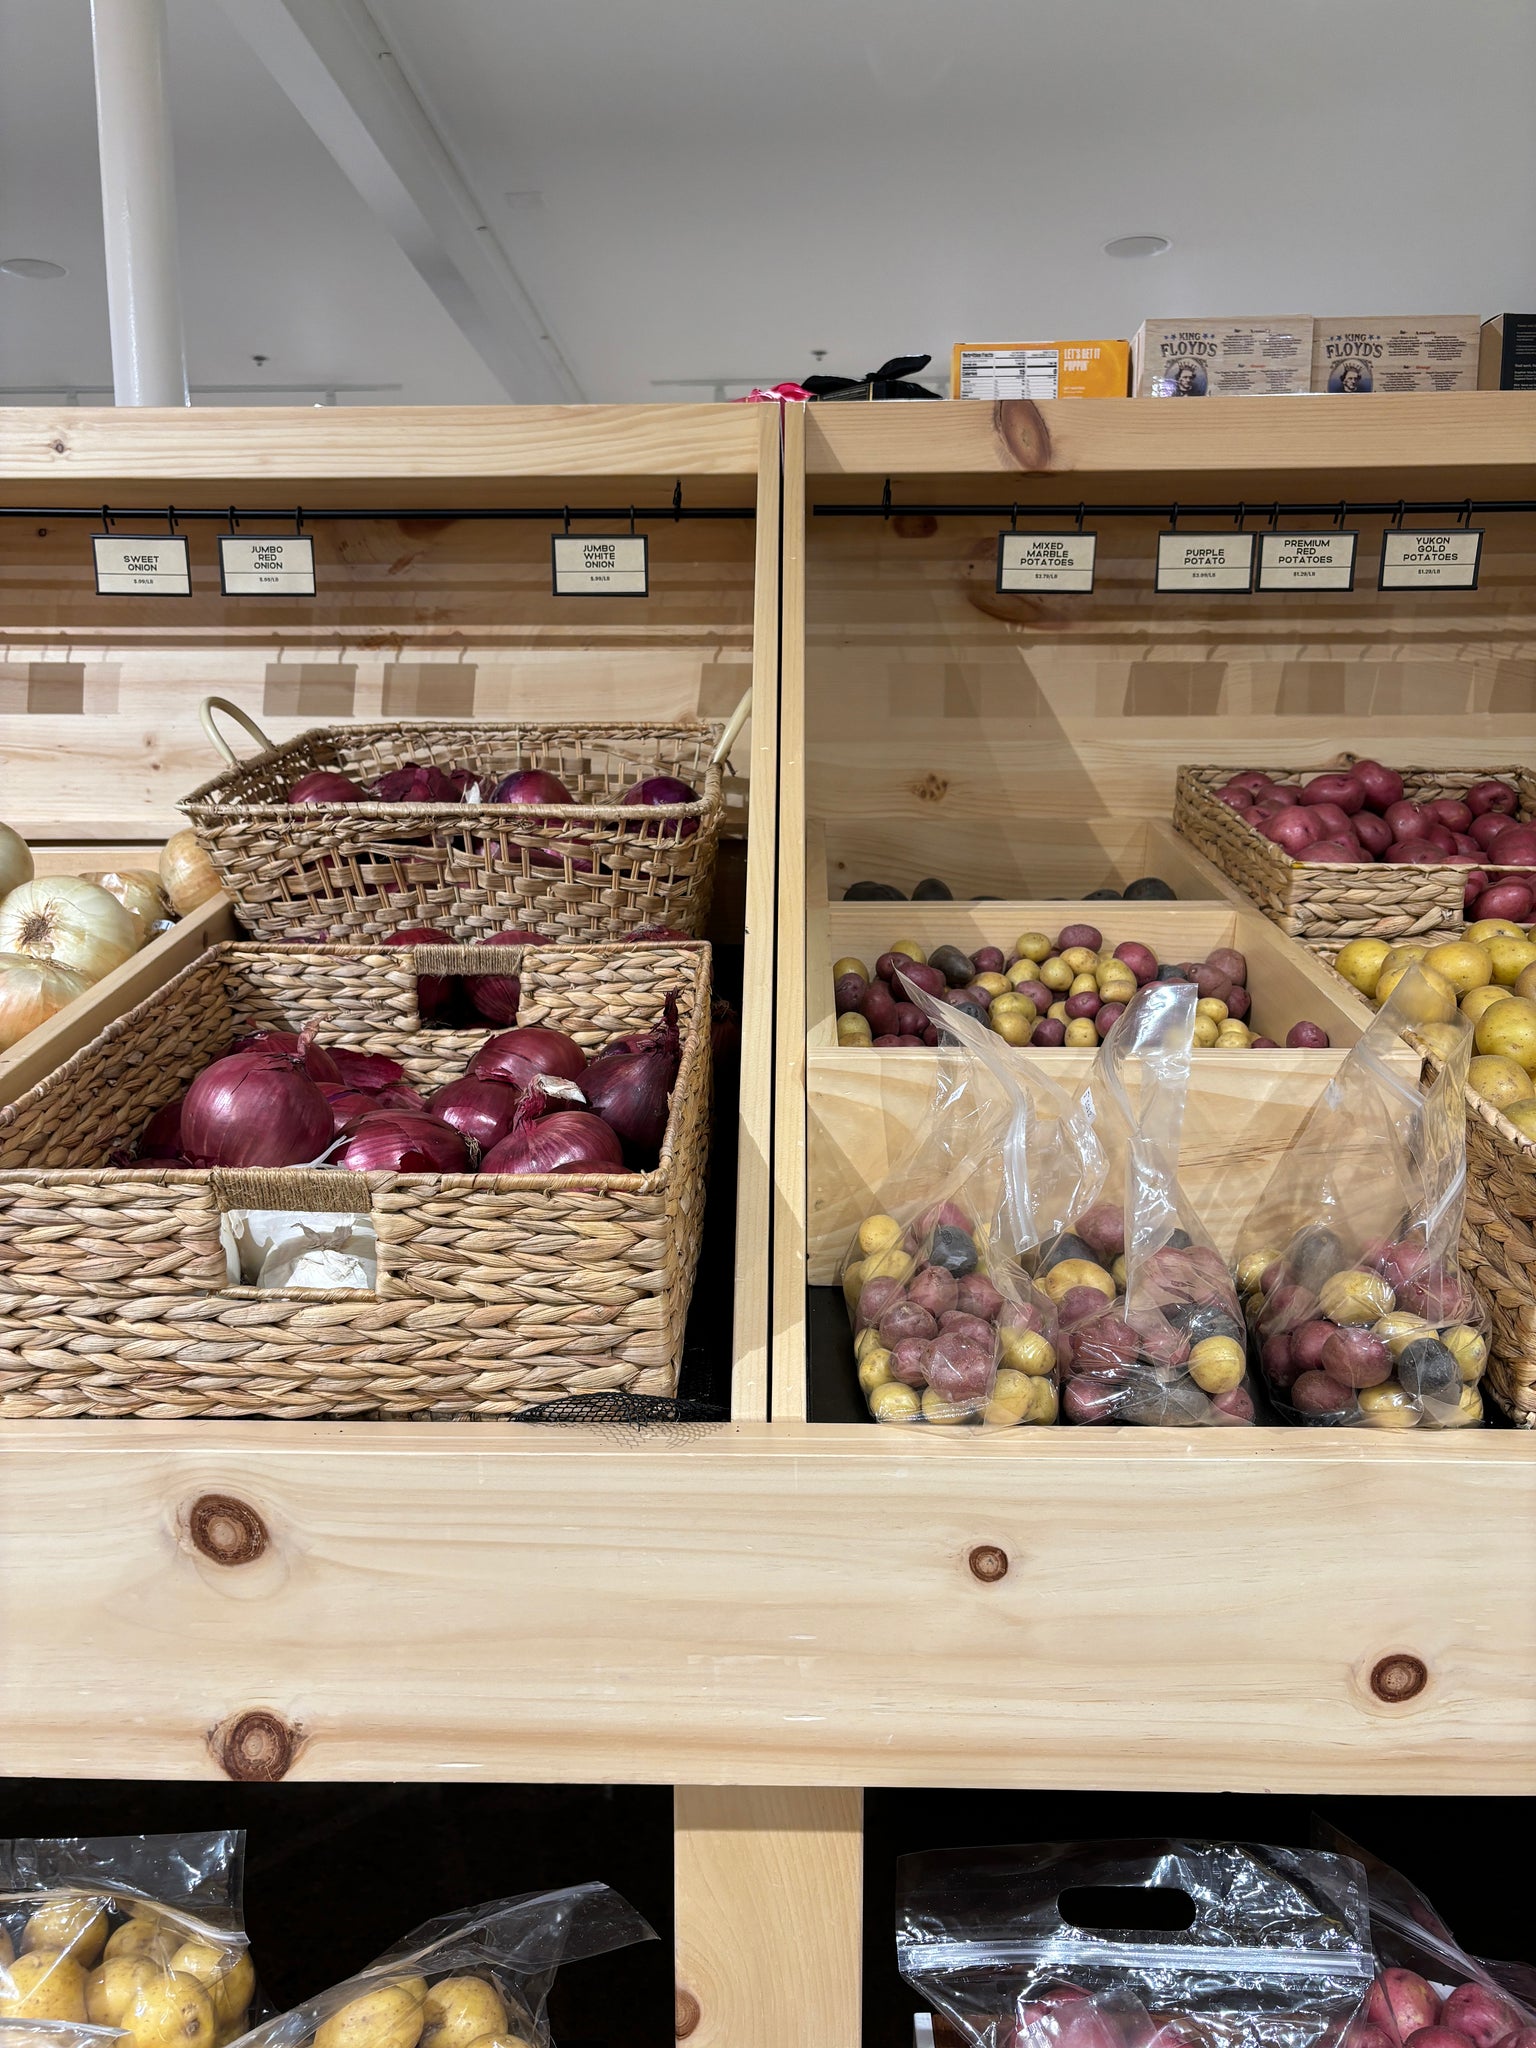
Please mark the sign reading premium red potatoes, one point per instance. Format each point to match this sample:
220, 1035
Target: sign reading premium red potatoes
1222, 358
1419, 352
1307, 561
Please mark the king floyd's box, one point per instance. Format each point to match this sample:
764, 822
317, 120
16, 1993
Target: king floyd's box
1421, 352
1507, 361
1039, 369
1222, 358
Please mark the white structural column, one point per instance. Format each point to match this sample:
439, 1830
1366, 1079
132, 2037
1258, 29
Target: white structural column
138, 202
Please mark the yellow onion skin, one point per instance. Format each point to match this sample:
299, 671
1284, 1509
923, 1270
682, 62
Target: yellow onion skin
32, 991
71, 922
16, 864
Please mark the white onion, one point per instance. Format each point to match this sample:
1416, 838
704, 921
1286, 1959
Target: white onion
139, 893
32, 991
187, 875
15, 861
70, 922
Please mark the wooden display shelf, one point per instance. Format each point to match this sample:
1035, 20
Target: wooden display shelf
1012, 859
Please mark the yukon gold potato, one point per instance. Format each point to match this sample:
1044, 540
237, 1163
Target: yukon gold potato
1522, 1115
1069, 1273
42, 1984
111, 1989
1464, 965
1488, 928
7, 1947
1509, 1028
459, 2010
390, 2016
168, 2010
513, 2040
1499, 1080
1361, 961
224, 1973
1510, 958
74, 1926
143, 1938
1431, 1000
1476, 1000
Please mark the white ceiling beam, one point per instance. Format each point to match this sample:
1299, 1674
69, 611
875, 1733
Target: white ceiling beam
335, 64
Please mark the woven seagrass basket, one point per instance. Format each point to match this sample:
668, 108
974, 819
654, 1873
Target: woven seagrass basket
1326, 907
346, 873
492, 1292
1498, 1248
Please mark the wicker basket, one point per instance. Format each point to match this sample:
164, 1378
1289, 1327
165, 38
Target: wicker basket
1498, 1247
347, 873
492, 1291
1326, 907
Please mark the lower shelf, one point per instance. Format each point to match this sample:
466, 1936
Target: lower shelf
791, 1604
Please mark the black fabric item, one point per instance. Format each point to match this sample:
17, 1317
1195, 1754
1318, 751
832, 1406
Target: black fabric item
889, 381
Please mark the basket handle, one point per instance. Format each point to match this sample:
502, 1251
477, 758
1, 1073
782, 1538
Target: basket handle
205, 712
728, 737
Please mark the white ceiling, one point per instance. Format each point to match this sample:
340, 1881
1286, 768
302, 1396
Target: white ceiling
707, 188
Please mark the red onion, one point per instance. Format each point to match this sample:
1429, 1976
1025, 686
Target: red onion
327, 786
629, 1089
565, 1141
480, 1107
255, 1108
656, 934
366, 1070
350, 1105
317, 1060
161, 1136
664, 789
532, 786
391, 1143
434, 992
521, 1056
415, 782
724, 1031
496, 996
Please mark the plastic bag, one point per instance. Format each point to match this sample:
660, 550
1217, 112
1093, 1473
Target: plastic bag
947, 1327
1426, 1978
1349, 1257
1057, 1946
141, 1933
476, 1976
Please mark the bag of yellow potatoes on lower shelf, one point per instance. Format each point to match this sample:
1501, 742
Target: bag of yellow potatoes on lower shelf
137, 1939
478, 1978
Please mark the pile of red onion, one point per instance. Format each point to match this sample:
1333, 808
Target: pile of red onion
1360, 813
418, 782
530, 1102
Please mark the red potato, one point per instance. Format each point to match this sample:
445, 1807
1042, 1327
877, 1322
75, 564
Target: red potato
1234, 796
1287, 792
1508, 899
848, 992
1522, 2037
1382, 786
1331, 821
958, 1370
1140, 959
1085, 1005
1492, 795
934, 1290
1291, 828
976, 1296
1238, 1002
989, 960
973, 994
929, 979
1234, 1406
1263, 1045
1279, 1362
1105, 1345
1210, 981
910, 1020
1362, 2034
875, 1297
1436, 835
1468, 847
1488, 826
1324, 853
1514, 848
889, 965
1316, 1394
1306, 1034
905, 1319
963, 1328
1307, 1343
879, 1007
1050, 1031
1437, 2037
1037, 993
1439, 1297
1080, 1305
1482, 2015
930, 1034
1079, 935
1093, 1399
1228, 961
942, 1216
1020, 1315
1407, 819
1346, 791
1414, 853
909, 1362
1102, 1229
1373, 833
1106, 1017
1451, 812
898, 1038
1356, 1357
1249, 778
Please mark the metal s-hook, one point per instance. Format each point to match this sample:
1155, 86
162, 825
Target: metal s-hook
1014, 522
170, 518
1341, 515
234, 521
1081, 514
106, 520
1274, 516
298, 521
1465, 515
1397, 516
885, 500
1242, 513
1173, 516
631, 522
567, 511
677, 501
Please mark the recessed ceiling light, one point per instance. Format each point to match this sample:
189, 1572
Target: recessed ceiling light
1138, 245
31, 266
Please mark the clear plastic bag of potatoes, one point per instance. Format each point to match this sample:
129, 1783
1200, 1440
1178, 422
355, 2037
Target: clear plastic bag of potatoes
947, 1327
142, 1934
1136, 1944
478, 1978
1349, 1258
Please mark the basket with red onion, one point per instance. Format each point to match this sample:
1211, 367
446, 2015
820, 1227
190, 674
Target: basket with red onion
578, 832
535, 1192
1362, 850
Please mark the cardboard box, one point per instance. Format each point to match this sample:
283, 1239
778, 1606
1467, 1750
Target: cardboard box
1420, 352
1040, 369
1507, 358
1222, 358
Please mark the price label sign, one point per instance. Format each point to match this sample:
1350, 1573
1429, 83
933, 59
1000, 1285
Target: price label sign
130, 566
1445, 559
1307, 561
267, 565
1207, 563
1046, 561
601, 565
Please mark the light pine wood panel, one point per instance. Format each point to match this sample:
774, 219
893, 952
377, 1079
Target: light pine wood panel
789, 1074
768, 1890
744, 1605
357, 443
1014, 858
1489, 433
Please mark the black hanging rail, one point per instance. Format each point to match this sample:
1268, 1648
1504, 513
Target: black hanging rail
1239, 510
305, 515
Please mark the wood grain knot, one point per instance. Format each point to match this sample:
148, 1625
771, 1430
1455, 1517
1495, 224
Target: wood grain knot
227, 1530
988, 1563
1398, 1678
688, 2014
930, 788
914, 526
59, 448
1020, 427
256, 1747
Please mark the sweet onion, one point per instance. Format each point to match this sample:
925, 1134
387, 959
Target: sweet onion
140, 894
562, 1141
187, 875
68, 922
390, 1143
522, 1055
32, 991
255, 1108
478, 1107
15, 860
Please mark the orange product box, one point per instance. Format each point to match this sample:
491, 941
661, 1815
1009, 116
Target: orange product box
1040, 369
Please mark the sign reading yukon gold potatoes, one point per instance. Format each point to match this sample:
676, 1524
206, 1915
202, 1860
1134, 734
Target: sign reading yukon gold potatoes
1205, 562
601, 564
1444, 559
1307, 561
1046, 561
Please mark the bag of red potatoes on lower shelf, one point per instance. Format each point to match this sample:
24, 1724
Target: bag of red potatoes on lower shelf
140, 1935
1349, 1259
1158, 1944
478, 1978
